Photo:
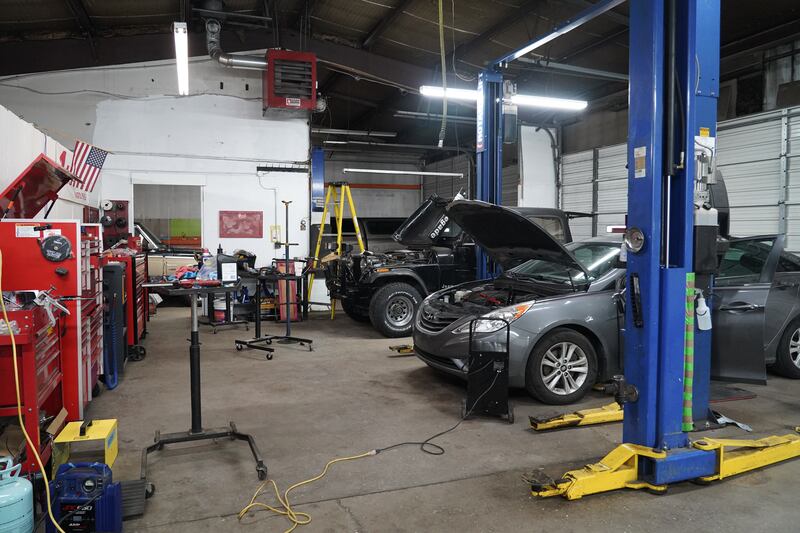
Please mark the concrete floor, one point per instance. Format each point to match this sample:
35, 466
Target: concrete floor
351, 395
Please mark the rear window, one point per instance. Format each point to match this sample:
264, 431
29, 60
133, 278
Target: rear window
553, 226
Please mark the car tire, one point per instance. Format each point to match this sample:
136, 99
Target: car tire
392, 309
349, 310
568, 384
787, 360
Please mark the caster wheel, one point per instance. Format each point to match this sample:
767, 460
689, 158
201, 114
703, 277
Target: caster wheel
97, 390
149, 490
269, 357
239, 347
268, 342
657, 492
510, 416
215, 331
262, 473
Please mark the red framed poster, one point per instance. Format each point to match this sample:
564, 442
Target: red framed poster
241, 224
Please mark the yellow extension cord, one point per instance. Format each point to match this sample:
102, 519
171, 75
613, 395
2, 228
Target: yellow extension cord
28, 440
297, 518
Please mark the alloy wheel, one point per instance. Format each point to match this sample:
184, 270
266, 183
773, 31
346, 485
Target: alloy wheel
564, 367
794, 348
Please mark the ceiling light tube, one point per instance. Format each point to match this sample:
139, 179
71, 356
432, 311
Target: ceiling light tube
527, 100
548, 102
180, 32
401, 172
357, 133
453, 93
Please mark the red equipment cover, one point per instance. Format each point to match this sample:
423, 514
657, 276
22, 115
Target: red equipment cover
34, 188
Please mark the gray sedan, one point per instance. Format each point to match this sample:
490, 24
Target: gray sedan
565, 309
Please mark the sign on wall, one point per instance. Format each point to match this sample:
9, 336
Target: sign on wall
241, 224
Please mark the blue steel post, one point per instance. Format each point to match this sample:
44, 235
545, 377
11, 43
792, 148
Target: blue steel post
645, 139
662, 206
489, 147
699, 86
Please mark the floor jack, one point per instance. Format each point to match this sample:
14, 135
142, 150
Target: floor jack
339, 192
670, 248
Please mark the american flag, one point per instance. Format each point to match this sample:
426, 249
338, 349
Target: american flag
87, 161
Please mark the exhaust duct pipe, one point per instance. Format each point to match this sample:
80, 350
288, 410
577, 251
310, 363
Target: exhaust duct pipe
213, 37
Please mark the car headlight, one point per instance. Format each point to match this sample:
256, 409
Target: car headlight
496, 320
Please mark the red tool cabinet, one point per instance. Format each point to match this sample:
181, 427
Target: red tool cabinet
41, 377
136, 307
73, 275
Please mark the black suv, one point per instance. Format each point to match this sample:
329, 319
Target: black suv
387, 288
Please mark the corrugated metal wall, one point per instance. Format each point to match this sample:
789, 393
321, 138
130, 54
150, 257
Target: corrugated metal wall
447, 187
754, 155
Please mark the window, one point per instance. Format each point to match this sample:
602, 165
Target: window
596, 258
744, 262
552, 226
788, 263
171, 213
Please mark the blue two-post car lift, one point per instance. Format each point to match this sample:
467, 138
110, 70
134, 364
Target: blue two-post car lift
670, 248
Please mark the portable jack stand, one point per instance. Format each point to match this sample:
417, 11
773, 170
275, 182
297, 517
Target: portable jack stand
197, 432
623, 467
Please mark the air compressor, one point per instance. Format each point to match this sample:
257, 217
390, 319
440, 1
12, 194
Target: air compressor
16, 499
85, 499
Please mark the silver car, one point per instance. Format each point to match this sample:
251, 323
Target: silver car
565, 308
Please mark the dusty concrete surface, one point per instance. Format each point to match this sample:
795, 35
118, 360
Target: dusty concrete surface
351, 395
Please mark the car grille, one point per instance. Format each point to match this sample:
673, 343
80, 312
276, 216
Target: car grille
433, 320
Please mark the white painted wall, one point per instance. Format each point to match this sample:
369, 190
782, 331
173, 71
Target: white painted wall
20, 144
215, 138
537, 186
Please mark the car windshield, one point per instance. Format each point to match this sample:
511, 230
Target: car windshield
597, 258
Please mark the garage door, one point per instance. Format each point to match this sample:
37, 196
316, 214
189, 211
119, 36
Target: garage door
447, 186
757, 155
576, 190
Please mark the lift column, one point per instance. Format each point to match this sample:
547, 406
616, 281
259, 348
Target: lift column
673, 93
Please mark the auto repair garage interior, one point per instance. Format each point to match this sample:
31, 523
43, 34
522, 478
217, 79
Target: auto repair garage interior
399, 265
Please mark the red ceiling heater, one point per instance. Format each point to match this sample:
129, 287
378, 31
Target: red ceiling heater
290, 81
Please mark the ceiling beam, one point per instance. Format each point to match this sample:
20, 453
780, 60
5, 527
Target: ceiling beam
385, 24
20, 57
306, 7
595, 44
81, 16
610, 15
472, 44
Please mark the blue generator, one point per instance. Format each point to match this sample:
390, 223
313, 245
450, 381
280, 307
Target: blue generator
85, 499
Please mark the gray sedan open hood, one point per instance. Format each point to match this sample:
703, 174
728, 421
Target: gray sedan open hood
508, 237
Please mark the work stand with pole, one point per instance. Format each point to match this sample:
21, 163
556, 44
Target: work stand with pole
259, 342
197, 432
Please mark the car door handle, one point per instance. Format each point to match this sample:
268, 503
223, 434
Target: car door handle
741, 307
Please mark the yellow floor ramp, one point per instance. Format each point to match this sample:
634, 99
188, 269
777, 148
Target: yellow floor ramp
620, 468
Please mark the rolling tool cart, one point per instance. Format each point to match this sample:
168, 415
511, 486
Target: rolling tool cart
136, 314
115, 352
37, 329
487, 374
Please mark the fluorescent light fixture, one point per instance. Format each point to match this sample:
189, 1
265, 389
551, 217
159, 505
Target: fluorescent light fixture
434, 91
401, 172
550, 103
527, 100
357, 133
334, 142
180, 32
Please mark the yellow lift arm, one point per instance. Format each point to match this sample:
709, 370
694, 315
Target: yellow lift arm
585, 417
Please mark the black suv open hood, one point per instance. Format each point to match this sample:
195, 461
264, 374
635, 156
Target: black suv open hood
508, 237
426, 225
